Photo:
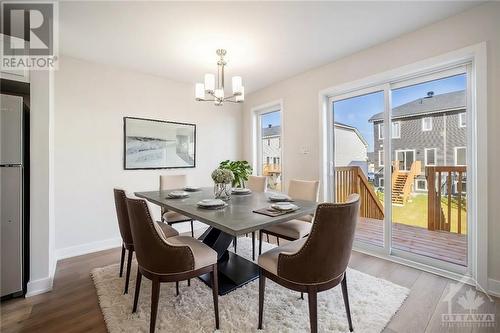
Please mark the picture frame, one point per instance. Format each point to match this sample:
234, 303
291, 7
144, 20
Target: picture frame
150, 144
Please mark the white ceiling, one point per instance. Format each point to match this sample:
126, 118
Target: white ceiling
266, 41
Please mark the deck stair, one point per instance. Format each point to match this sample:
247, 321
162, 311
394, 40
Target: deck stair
398, 187
402, 182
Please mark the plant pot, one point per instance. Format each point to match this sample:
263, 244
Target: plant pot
222, 191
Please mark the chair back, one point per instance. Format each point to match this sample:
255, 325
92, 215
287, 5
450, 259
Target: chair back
170, 182
122, 216
153, 251
257, 183
304, 190
326, 252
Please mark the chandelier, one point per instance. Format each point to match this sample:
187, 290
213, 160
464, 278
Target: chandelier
213, 90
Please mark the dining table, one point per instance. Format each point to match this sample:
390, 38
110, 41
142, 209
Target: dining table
237, 218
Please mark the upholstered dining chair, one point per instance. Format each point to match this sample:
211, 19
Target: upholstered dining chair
170, 182
294, 229
162, 259
255, 184
126, 234
315, 263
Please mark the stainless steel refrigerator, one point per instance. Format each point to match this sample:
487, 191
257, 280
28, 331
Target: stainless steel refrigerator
11, 195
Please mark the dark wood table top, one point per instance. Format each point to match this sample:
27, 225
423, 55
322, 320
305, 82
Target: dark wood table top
237, 218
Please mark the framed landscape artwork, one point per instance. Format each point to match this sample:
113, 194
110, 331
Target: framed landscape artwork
157, 144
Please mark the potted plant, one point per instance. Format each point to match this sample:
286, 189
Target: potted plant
223, 178
240, 169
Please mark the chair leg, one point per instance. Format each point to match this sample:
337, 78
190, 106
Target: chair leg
235, 243
302, 296
313, 309
137, 290
346, 302
253, 245
155, 295
262, 288
192, 229
129, 264
176, 288
215, 292
122, 260
260, 241
189, 282
278, 240
267, 235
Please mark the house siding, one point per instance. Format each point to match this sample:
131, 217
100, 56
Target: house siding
445, 135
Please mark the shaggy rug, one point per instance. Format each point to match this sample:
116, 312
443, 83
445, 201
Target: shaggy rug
373, 302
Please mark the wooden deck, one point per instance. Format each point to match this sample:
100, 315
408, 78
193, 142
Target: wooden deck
443, 245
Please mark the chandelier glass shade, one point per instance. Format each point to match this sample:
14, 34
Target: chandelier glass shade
212, 90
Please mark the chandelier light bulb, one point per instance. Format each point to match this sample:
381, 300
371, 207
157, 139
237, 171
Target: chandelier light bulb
200, 92
241, 97
209, 82
237, 85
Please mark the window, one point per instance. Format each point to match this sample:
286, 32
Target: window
268, 123
421, 184
460, 156
430, 156
396, 129
462, 120
427, 124
381, 158
381, 131
381, 182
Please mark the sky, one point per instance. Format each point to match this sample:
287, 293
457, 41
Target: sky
357, 110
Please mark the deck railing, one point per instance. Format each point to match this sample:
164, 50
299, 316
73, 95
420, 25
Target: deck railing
441, 189
352, 179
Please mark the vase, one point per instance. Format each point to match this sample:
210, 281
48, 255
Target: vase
222, 191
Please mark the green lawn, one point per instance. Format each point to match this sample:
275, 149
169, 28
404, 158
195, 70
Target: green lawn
414, 212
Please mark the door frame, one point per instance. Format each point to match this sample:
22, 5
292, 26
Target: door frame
477, 156
414, 151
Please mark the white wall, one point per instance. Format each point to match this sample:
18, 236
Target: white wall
90, 102
300, 96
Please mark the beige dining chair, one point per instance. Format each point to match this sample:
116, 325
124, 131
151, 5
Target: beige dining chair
315, 263
294, 229
255, 184
126, 234
162, 259
172, 182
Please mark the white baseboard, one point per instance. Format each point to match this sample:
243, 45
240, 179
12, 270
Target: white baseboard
494, 287
39, 286
78, 250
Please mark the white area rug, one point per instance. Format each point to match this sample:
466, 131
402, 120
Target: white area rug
373, 302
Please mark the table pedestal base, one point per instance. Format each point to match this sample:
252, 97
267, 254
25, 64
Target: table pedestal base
234, 271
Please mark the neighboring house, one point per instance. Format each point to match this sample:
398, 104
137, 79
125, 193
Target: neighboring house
430, 129
352, 149
271, 145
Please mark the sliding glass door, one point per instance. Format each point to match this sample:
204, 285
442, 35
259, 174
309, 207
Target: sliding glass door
412, 174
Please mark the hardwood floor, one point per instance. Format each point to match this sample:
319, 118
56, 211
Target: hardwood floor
72, 305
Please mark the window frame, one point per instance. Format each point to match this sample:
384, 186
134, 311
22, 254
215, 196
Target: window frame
381, 131
464, 116
426, 163
423, 124
421, 180
398, 122
455, 154
381, 160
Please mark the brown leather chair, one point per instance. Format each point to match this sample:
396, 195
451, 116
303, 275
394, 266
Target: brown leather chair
296, 228
172, 182
318, 262
124, 226
171, 259
255, 184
